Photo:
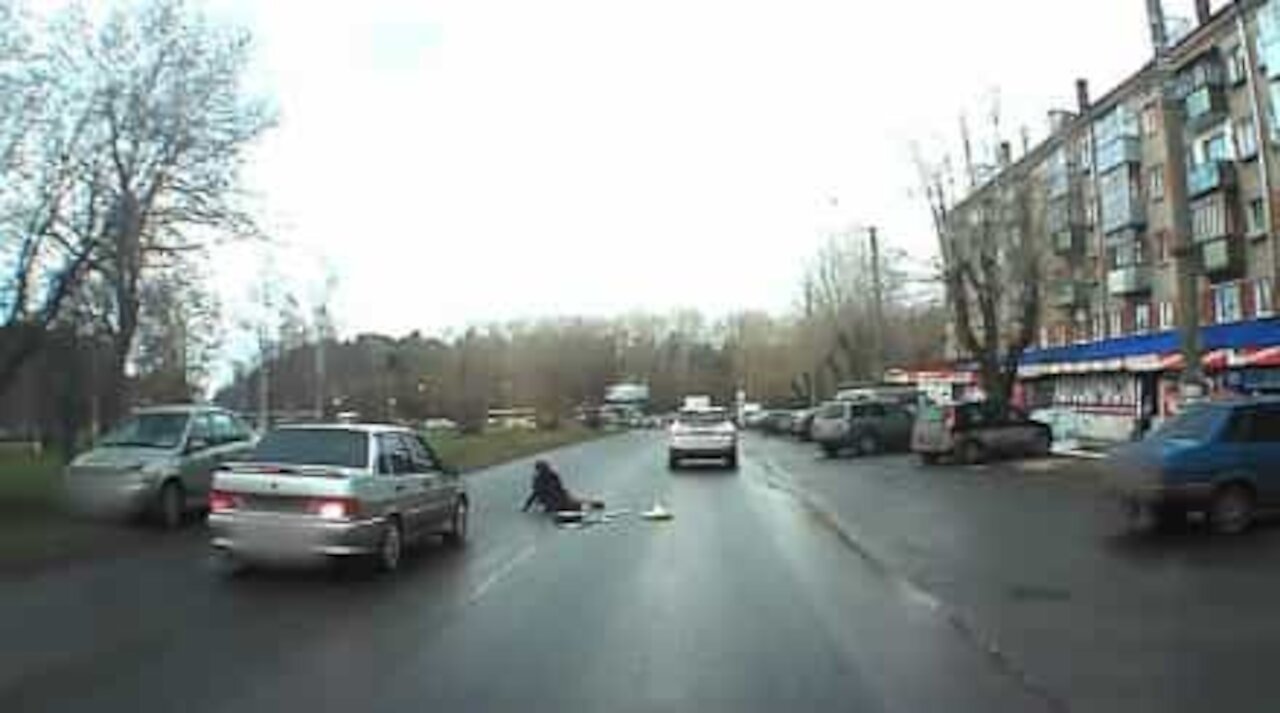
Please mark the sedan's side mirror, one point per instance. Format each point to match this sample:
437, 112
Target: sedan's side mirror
197, 444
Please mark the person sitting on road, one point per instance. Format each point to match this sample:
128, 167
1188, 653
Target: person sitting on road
549, 491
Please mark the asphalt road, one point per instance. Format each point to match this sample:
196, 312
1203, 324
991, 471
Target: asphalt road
752, 598
1034, 562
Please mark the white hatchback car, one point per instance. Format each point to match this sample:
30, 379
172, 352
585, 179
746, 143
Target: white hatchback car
702, 433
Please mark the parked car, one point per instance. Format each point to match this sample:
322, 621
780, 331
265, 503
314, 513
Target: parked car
864, 427
335, 491
440, 424
755, 419
970, 434
1218, 458
703, 433
159, 463
778, 422
801, 423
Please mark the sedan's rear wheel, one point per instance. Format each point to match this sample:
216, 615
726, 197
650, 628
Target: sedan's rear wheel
1231, 511
457, 534
972, 452
868, 444
169, 506
1041, 445
390, 548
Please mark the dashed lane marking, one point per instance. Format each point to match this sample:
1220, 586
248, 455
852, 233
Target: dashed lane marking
501, 572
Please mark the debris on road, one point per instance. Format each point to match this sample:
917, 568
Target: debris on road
658, 512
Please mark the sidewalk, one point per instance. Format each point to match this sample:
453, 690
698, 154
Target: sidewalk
1083, 448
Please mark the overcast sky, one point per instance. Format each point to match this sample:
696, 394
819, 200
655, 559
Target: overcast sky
464, 161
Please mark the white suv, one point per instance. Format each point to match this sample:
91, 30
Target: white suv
702, 433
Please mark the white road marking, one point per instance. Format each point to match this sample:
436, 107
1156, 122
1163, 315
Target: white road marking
502, 571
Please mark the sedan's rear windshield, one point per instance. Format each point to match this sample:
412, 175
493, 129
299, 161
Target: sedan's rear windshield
703, 418
314, 446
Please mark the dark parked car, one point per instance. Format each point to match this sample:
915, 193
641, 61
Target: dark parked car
969, 433
863, 427
1219, 458
777, 422
801, 423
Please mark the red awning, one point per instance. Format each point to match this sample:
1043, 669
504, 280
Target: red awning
1265, 356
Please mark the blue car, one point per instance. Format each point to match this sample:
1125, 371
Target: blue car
1220, 458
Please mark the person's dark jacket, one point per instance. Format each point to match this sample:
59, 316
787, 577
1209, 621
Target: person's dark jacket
549, 492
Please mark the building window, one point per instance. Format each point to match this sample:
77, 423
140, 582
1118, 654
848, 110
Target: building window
1237, 71
1150, 120
1226, 303
1044, 337
1246, 137
1086, 156
1142, 318
1262, 297
1208, 220
1130, 252
1166, 315
1214, 147
1155, 183
1256, 217
1096, 331
1115, 323
1162, 246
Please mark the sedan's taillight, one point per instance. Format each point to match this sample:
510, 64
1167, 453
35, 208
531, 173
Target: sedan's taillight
334, 508
222, 501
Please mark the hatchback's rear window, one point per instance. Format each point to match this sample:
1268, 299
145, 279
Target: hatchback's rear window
314, 446
1195, 423
832, 411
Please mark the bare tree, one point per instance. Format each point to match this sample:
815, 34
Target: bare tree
134, 161
990, 243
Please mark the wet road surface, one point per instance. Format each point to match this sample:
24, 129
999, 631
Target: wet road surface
748, 600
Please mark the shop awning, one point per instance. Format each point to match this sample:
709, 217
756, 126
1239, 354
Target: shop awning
1253, 343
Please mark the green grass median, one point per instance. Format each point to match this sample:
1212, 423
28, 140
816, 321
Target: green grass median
481, 450
35, 533
33, 529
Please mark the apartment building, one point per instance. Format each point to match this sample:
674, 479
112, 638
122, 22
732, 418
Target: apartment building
1106, 356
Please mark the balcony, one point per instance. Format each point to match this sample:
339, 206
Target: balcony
1128, 213
1223, 258
1204, 105
1067, 294
1129, 280
1119, 151
1068, 239
1210, 176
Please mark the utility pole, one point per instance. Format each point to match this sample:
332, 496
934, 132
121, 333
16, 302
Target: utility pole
1175, 184
322, 321
877, 350
264, 387
810, 377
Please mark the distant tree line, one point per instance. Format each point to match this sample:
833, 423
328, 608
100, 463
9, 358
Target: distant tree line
555, 365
